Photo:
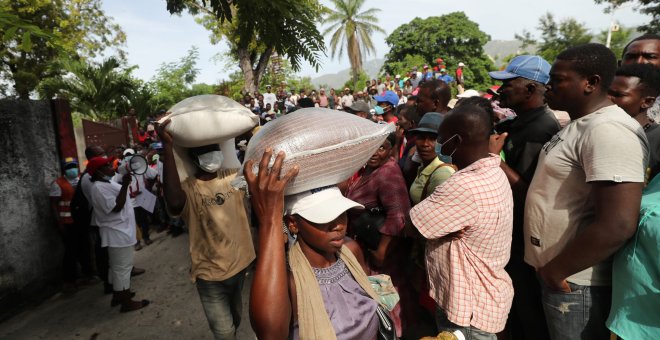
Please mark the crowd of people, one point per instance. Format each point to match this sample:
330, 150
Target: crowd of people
493, 218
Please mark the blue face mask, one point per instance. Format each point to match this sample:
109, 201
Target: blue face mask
438, 149
71, 173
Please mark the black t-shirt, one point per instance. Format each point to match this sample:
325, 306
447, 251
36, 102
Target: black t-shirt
528, 132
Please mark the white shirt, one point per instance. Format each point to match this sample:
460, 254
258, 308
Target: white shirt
117, 229
270, 98
347, 100
138, 184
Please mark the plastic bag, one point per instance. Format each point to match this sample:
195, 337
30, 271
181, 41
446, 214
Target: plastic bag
208, 119
328, 145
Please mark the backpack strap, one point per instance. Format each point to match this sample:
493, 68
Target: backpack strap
428, 180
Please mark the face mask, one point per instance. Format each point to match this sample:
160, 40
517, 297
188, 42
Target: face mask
210, 161
71, 173
438, 148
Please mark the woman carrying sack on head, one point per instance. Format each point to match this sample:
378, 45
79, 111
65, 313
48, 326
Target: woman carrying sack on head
314, 289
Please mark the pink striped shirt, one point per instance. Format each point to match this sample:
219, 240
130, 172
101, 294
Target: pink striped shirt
466, 274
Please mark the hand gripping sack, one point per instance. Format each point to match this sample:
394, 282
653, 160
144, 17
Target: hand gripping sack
328, 145
208, 119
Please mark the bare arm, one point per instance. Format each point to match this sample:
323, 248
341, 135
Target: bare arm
270, 303
175, 197
617, 211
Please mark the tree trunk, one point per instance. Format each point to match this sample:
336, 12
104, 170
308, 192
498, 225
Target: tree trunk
252, 76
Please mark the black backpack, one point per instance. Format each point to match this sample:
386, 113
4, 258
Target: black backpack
81, 210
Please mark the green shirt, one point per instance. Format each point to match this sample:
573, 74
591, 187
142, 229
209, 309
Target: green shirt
635, 312
440, 175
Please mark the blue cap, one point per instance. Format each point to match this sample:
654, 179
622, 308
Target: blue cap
388, 97
531, 67
429, 123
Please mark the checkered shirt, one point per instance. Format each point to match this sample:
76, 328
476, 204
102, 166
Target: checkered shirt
466, 274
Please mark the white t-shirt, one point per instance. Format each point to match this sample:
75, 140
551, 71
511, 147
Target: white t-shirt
270, 98
56, 191
347, 100
117, 229
139, 182
606, 145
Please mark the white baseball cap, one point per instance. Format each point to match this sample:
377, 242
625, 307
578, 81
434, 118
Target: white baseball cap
461, 64
321, 205
128, 151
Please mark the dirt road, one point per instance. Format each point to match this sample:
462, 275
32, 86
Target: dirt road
175, 311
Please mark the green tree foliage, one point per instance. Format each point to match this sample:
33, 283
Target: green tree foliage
556, 36
351, 29
75, 29
619, 39
357, 85
453, 37
648, 7
98, 91
175, 81
403, 67
256, 28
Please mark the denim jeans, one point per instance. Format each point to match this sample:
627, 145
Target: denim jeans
469, 332
222, 304
580, 314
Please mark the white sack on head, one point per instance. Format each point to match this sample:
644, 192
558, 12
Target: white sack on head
208, 119
186, 167
328, 145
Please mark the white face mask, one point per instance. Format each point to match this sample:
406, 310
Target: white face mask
210, 161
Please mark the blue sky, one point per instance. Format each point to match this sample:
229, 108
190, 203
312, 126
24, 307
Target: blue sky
154, 36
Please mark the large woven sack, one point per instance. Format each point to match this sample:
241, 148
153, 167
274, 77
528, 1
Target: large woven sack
208, 119
328, 145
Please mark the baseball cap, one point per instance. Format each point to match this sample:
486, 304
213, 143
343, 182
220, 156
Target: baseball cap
426, 66
359, 106
530, 67
468, 93
429, 123
128, 151
321, 205
388, 97
97, 162
461, 64
69, 161
397, 76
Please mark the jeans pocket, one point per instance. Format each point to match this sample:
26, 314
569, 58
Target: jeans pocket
565, 312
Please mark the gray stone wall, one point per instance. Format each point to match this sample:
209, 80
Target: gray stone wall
30, 247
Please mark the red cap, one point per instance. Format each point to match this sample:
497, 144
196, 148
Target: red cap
97, 162
439, 60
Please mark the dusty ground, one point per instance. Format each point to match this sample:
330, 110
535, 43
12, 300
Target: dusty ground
175, 311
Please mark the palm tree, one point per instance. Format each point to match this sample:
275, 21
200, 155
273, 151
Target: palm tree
352, 30
96, 91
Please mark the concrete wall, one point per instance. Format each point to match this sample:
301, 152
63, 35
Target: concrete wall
30, 248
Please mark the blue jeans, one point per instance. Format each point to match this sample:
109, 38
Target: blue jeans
469, 332
222, 304
580, 314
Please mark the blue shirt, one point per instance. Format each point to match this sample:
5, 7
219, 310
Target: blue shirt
446, 78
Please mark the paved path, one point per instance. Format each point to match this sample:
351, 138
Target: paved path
175, 311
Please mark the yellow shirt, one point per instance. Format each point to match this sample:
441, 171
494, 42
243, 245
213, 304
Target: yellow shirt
440, 175
220, 239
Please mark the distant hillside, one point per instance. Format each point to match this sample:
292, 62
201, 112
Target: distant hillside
337, 80
497, 50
